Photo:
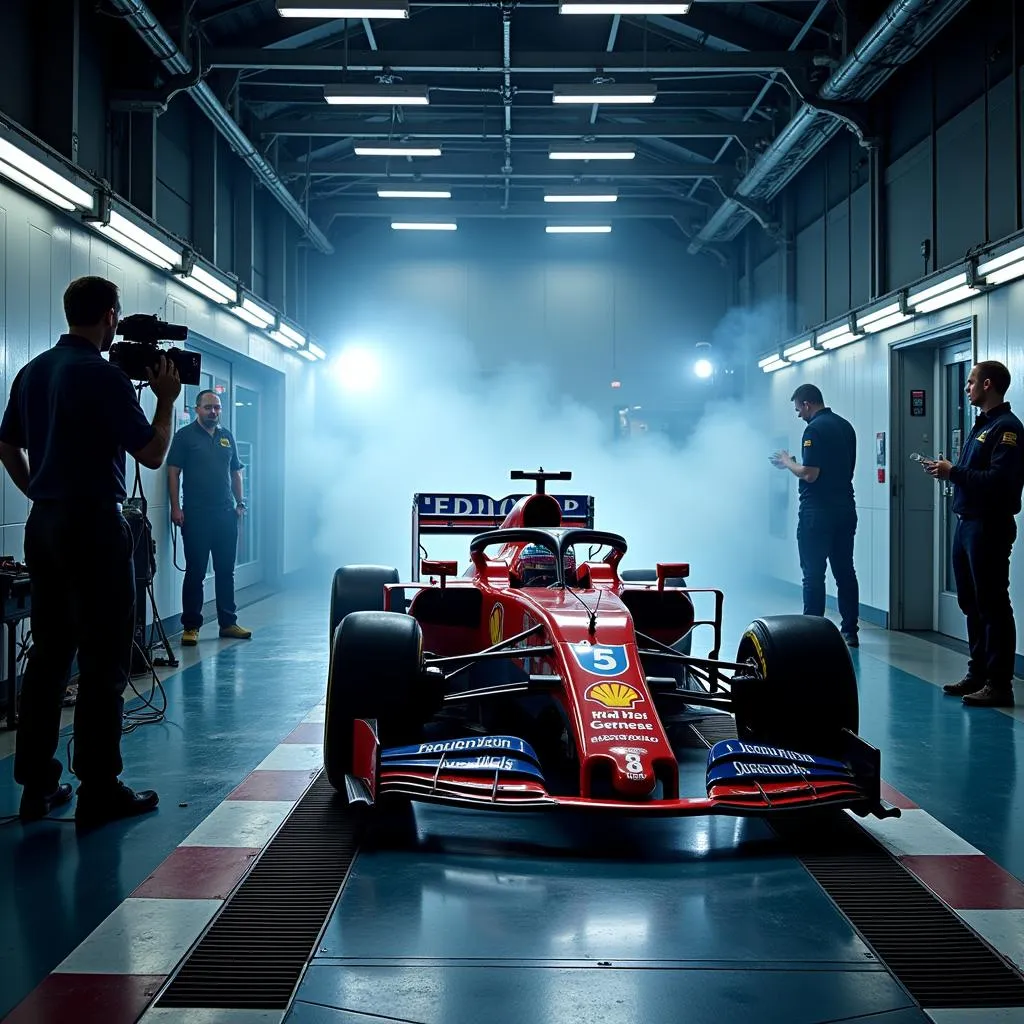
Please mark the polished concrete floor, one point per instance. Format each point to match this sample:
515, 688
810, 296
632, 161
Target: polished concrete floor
514, 917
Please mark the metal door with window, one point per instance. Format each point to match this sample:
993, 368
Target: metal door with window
956, 416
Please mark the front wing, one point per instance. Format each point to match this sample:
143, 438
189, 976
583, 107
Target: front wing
503, 772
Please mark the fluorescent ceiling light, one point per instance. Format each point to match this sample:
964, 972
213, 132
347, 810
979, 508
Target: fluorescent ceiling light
258, 310
775, 364
129, 245
621, 7
396, 150
413, 193
397, 225
881, 318
765, 360
377, 95
945, 293
581, 197
307, 354
334, 9
569, 151
800, 351
317, 351
40, 179
1000, 269
578, 229
590, 94
250, 318
210, 285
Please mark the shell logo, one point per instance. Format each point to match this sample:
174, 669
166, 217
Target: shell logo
613, 695
496, 624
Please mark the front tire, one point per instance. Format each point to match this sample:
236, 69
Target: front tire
806, 692
358, 588
376, 673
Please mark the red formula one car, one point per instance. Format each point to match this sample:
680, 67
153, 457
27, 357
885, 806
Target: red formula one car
543, 679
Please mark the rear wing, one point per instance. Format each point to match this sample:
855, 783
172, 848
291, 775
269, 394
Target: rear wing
475, 513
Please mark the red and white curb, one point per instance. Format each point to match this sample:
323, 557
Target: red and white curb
114, 974
985, 896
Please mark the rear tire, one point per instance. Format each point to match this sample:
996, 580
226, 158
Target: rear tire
358, 588
377, 673
807, 693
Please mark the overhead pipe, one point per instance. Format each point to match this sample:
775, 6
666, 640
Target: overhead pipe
174, 61
905, 27
506, 61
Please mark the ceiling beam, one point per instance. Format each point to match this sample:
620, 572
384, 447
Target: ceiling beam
329, 209
494, 128
486, 62
529, 166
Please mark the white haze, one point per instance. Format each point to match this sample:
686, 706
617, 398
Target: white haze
436, 424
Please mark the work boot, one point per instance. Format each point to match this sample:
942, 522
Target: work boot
190, 638
235, 632
990, 696
98, 804
965, 686
36, 805
851, 640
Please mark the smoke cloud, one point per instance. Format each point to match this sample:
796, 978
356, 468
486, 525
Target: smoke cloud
436, 421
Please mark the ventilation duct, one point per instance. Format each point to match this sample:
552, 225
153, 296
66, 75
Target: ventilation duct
160, 44
895, 39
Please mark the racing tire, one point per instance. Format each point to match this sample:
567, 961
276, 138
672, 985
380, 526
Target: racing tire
377, 673
683, 646
358, 588
806, 691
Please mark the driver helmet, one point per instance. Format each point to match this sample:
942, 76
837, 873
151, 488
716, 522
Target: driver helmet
537, 566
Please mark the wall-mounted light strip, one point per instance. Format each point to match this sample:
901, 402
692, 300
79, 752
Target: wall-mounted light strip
317, 351
34, 176
286, 335
307, 354
802, 350
772, 363
213, 287
590, 94
254, 313
999, 269
937, 296
889, 315
136, 240
376, 96
582, 151
838, 336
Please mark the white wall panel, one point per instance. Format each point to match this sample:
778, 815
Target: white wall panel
40, 253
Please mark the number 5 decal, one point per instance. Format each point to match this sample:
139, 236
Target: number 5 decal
601, 661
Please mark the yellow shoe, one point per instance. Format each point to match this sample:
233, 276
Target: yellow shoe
190, 638
235, 632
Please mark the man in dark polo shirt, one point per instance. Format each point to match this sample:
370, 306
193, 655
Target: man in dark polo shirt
76, 415
987, 482
827, 520
205, 453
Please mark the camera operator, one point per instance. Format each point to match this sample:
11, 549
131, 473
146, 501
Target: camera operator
77, 415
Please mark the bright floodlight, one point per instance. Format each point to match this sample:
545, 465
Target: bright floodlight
356, 369
703, 368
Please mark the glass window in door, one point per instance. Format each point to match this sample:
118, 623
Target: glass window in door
247, 412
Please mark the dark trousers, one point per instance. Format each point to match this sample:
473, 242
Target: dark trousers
209, 532
826, 536
981, 567
83, 599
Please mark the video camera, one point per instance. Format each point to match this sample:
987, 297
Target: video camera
138, 353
